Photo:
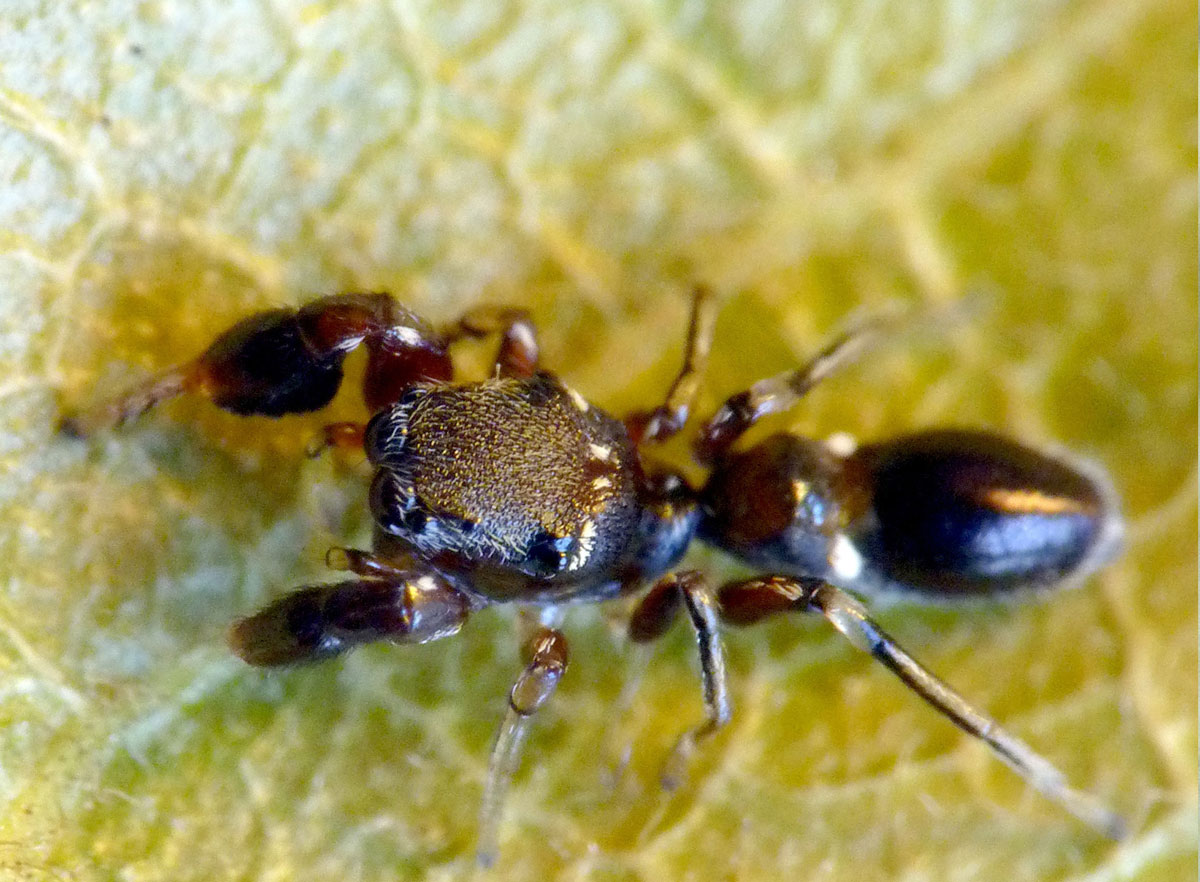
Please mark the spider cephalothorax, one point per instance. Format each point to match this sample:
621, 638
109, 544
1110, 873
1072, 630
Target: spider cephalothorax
517, 484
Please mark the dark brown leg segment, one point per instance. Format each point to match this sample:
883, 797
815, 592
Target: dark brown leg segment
546, 655
651, 620
671, 416
657, 610
290, 361
518, 352
751, 601
321, 621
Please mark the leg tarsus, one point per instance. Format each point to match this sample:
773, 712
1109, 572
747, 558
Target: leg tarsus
618, 744
775, 394
850, 618
701, 607
125, 408
547, 654
669, 418
284, 361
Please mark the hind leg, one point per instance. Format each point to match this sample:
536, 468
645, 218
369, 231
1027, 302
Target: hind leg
775, 394
751, 601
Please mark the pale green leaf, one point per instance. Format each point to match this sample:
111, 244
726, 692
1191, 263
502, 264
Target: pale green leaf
167, 167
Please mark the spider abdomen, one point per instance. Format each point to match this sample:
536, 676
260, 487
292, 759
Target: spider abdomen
968, 513
947, 513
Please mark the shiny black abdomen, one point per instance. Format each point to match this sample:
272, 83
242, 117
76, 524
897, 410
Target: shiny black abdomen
961, 513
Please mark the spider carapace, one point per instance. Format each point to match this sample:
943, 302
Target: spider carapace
517, 490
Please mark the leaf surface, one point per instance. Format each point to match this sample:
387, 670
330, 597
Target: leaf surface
166, 168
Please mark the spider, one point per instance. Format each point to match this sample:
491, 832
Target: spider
517, 490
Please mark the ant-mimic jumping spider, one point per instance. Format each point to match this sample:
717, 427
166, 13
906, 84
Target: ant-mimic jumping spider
517, 490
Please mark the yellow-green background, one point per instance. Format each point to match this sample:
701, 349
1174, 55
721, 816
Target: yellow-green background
167, 166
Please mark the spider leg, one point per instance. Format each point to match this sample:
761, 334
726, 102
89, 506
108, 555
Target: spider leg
546, 654
345, 436
780, 392
368, 564
671, 416
651, 619
755, 599
290, 361
518, 353
316, 622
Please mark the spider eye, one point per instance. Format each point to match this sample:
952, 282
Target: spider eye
548, 552
414, 520
387, 431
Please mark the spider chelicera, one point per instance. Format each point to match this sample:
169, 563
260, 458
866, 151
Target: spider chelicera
517, 490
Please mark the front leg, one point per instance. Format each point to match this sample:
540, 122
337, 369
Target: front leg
320, 621
290, 361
